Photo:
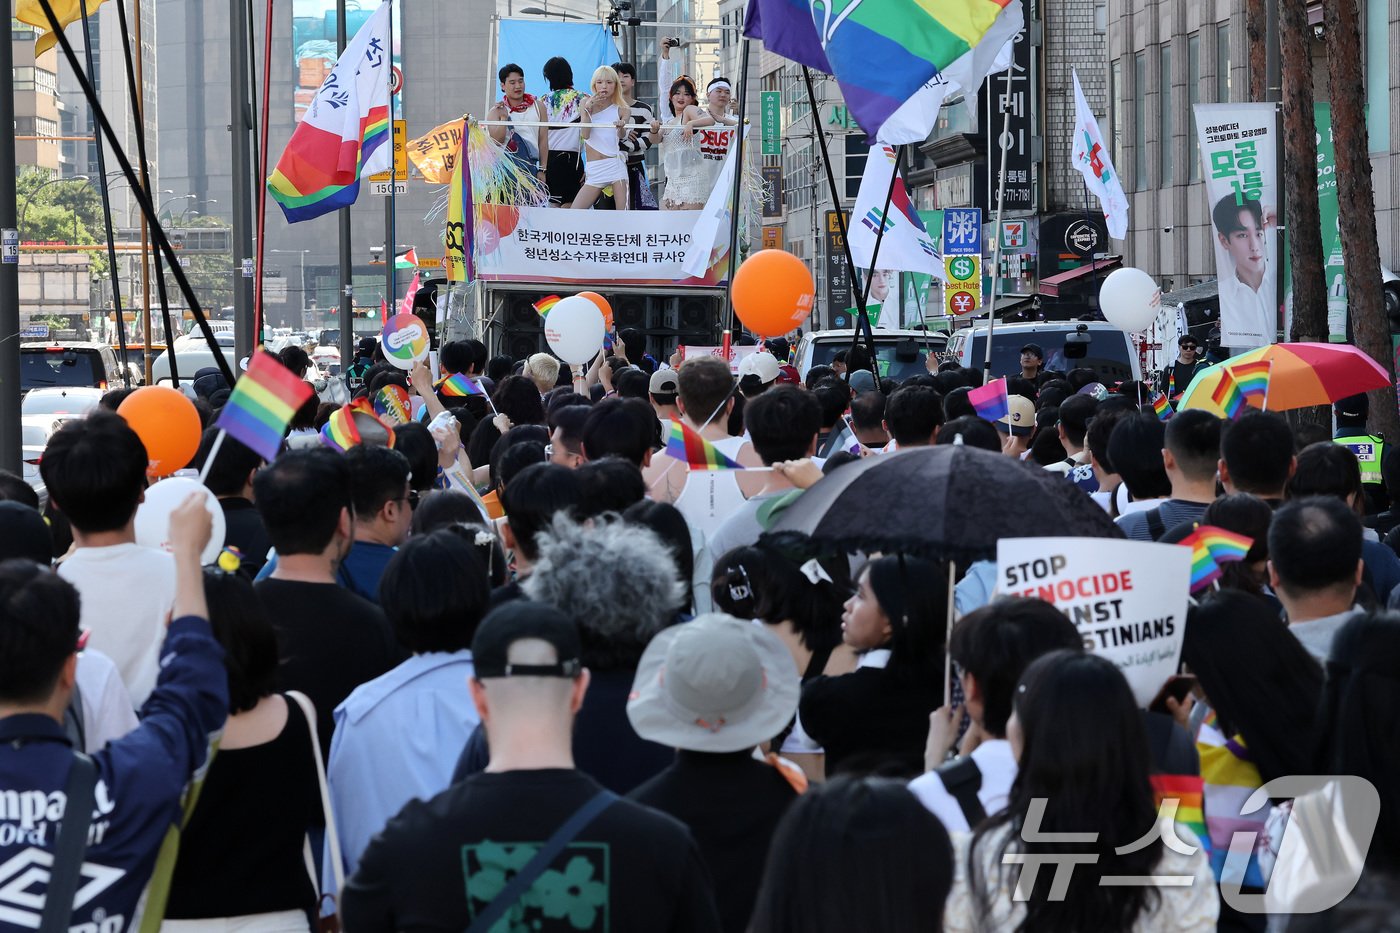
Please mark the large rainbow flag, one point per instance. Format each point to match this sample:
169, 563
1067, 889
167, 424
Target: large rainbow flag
345, 135
262, 405
884, 51
459, 236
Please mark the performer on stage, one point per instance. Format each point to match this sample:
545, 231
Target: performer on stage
605, 118
522, 144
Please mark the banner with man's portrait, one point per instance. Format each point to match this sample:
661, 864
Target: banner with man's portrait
1239, 162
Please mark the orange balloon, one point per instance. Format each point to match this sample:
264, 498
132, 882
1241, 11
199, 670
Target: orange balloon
773, 292
603, 306
167, 423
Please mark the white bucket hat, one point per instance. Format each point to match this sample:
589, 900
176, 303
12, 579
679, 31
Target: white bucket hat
714, 684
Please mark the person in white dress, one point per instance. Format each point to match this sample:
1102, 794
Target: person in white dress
687, 174
605, 118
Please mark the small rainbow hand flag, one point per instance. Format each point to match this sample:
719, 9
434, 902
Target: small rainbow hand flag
1227, 395
391, 403
1210, 547
1253, 379
1161, 406
991, 400
262, 405
355, 424
459, 386
684, 444
544, 304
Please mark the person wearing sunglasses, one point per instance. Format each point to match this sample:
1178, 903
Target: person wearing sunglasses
1177, 376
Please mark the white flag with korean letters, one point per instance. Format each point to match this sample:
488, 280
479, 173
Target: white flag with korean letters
1090, 156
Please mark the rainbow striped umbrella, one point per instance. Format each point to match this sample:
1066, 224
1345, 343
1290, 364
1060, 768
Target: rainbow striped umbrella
1301, 375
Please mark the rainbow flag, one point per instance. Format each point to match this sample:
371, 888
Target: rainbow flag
262, 405
460, 233
1253, 379
991, 400
349, 424
912, 40
391, 403
459, 386
1230, 778
1210, 547
1161, 407
345, 135
1188, 793
544, 304
1227, 395
686, 445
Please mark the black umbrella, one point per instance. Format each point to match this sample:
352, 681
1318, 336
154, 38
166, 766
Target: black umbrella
944, 502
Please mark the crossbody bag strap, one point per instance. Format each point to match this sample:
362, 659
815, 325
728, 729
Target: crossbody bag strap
524, 878
1156, 527
963, 779
71, 846
332, 837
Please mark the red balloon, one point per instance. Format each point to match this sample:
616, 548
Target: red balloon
773, 292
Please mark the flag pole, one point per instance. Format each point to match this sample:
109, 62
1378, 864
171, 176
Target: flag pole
863, 316
347, 263
948, 633
738, 197
874, 255
996, 232
261, 173
391, 248
213, 452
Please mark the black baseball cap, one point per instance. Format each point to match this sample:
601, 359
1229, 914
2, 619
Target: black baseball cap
523, 619
1034, 348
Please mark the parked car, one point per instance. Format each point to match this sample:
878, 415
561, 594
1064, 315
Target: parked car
72, 402
899, 354
69, 363
189, 360
1109, 351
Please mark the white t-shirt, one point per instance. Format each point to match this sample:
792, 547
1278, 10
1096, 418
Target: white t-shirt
127, 592
107, 710
997, 764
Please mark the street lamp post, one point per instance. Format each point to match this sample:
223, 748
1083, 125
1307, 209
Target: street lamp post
52, 181
183, 197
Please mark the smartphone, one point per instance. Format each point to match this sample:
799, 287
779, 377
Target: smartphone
1177, 687
608, 342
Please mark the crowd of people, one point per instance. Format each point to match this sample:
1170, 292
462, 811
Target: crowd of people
589, 149
522, 667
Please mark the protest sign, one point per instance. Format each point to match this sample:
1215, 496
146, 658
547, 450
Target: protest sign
1127, 598
736, 354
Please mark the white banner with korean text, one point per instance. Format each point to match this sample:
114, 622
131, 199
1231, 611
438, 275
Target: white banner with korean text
597, 247
1239, 159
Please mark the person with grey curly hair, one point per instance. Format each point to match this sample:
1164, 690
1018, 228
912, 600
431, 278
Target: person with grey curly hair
620, 583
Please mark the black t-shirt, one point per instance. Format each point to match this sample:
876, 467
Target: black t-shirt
438, 864
732, 804
869, 720
241, 852
244, 529
329, 641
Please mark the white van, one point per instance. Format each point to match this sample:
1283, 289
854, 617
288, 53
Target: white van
1109, 351
190, 359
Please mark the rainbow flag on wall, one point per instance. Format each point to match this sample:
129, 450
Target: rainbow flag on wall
345, 135
459, 386
912, 42
1210, 547
1227, 395
1253, 380
460, 234
686, 445
1161, 407
262, 405
991, 400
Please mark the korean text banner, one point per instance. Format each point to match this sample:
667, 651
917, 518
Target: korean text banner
1239, 159
538, 244
1126, 598
531, 43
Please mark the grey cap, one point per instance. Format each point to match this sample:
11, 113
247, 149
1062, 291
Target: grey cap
862, 381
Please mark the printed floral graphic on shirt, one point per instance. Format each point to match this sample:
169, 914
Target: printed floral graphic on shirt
577, 895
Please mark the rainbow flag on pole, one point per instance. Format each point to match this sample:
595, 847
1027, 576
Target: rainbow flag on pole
345, 135
1253, 380
991, 400
913, 41
460, 233
459, 386
686, 445
1161, 407
1210, 547
1227, 395
262, 405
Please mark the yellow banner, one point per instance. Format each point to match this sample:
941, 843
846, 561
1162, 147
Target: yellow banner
435, 152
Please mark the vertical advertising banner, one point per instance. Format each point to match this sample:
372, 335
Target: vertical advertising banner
772, 191
1239, 159
962, 260
771, 117
838, 276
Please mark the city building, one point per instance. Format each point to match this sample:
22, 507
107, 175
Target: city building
38, 109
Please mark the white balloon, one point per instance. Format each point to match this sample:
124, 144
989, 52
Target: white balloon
1130, 299
163, 498
574, 330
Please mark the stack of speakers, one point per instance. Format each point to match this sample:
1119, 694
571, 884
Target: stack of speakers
665, 320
